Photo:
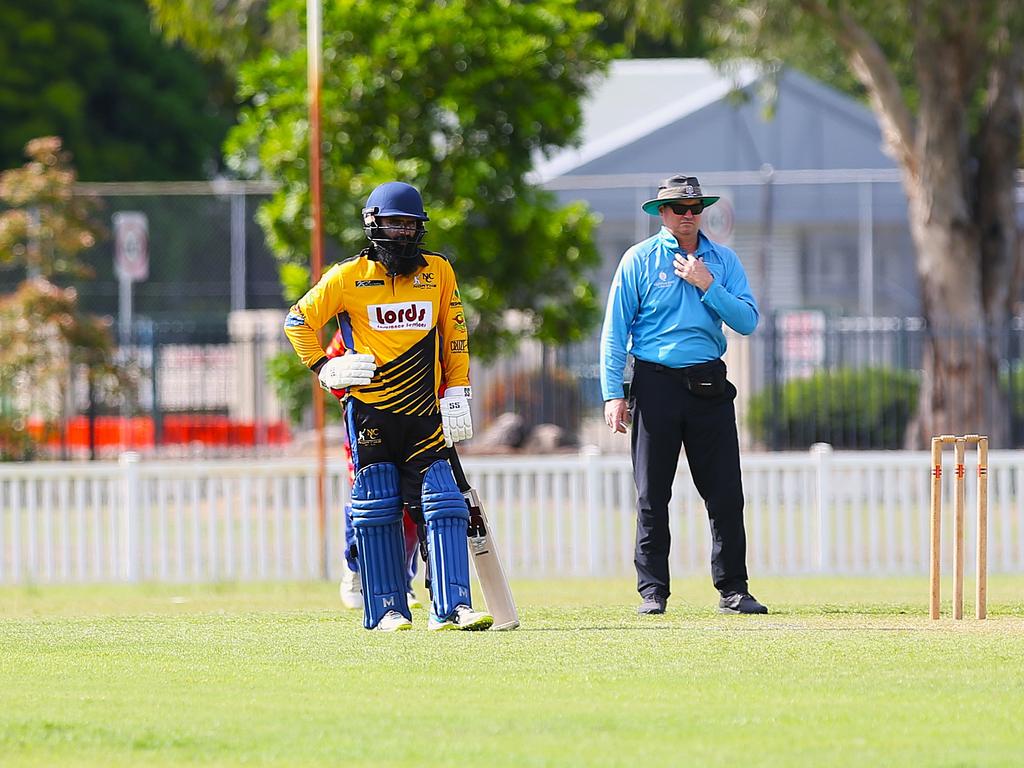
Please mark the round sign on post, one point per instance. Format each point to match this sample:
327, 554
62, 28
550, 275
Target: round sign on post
131, 245
718, 220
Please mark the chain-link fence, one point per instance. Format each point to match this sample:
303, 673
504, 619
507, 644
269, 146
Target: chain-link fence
194, 388
806, 377
803, 377
817, 246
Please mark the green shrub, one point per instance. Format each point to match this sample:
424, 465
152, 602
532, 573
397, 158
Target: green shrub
1012, 383
848, 408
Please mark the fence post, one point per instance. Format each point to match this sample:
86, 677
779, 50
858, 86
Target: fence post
821, 455
592, 499
131, 523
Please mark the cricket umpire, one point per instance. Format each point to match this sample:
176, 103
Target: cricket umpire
669, 298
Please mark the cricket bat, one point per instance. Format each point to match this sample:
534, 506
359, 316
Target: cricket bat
484, 554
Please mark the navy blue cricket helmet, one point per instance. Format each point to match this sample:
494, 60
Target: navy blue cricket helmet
397, 247
396, 198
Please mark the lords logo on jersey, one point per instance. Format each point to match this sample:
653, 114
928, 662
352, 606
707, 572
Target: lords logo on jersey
402, 316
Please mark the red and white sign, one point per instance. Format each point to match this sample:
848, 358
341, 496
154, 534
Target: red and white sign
718, 220
131, 245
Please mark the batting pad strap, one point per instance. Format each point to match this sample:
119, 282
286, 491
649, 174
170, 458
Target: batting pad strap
447, 516
380, 543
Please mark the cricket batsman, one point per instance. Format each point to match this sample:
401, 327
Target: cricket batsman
409, 334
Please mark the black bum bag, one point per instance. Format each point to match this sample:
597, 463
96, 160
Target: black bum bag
702, 380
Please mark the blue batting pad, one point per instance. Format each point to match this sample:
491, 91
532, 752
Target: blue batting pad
377, 519
447, 516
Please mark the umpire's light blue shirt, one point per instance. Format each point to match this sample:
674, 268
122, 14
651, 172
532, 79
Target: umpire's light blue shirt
659, 317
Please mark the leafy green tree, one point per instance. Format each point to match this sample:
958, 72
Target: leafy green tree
652, 29
43, 229
946, 82
95, 73
457, 98
235, 31
229, 31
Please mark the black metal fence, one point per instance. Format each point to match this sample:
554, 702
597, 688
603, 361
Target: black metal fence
807, 377
202, 388
193, 388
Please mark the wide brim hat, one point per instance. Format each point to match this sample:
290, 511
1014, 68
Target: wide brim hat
676, 188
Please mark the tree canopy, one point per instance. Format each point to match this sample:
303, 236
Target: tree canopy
228, 31
95, 73
459, 99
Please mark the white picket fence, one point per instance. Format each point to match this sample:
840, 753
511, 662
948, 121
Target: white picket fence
555, 516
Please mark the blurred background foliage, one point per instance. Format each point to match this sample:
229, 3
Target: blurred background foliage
127, 105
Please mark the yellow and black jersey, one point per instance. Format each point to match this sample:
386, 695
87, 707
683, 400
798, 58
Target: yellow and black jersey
413, 325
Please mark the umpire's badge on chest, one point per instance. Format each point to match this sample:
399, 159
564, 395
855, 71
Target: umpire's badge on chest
664, 281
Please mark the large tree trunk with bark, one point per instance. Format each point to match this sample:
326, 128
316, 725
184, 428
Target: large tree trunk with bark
961, 188
960, 390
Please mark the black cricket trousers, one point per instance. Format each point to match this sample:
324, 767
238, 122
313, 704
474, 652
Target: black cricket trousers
666, 415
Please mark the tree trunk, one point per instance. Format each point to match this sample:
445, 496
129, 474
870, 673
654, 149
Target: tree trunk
960, 392
961, 192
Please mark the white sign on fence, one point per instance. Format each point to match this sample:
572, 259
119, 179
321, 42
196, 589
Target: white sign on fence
131, 245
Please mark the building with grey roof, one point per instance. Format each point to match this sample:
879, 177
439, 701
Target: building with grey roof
810, 202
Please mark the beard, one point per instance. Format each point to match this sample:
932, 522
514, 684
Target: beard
398, 257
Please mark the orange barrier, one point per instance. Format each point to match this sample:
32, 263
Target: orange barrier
140, 431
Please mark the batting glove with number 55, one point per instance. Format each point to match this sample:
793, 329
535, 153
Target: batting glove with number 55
456, 421
347, 371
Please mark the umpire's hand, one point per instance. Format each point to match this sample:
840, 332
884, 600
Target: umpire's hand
616, 414
693, 271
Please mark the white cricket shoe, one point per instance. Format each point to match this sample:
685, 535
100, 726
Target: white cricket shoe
463, 617
414, 602
350, 589
393, 621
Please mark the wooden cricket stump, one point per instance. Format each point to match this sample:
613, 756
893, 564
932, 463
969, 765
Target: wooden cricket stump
960, 443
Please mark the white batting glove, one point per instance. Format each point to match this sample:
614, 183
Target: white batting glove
456, 420
347, 371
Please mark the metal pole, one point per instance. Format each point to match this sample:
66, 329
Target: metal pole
124, 317
641, 222
124, 309
313, 80
767, 174
238, 251
866, 252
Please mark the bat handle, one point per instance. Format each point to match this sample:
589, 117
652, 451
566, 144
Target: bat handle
457, 470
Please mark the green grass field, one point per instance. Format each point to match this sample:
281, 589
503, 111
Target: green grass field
843, 673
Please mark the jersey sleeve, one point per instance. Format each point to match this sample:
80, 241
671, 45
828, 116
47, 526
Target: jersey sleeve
311, 313
733, 300
454, 333
621, 311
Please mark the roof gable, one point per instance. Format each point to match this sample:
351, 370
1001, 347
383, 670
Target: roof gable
634, 103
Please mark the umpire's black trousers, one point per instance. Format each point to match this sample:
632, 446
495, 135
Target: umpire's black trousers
667, 415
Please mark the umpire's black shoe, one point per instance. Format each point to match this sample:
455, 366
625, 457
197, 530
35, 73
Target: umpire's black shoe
652, 604
740, 602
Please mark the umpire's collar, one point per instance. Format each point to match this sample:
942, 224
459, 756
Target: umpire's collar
669, 241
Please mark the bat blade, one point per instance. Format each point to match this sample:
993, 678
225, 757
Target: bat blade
489, 570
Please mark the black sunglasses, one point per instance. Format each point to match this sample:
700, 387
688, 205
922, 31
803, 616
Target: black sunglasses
679, 209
